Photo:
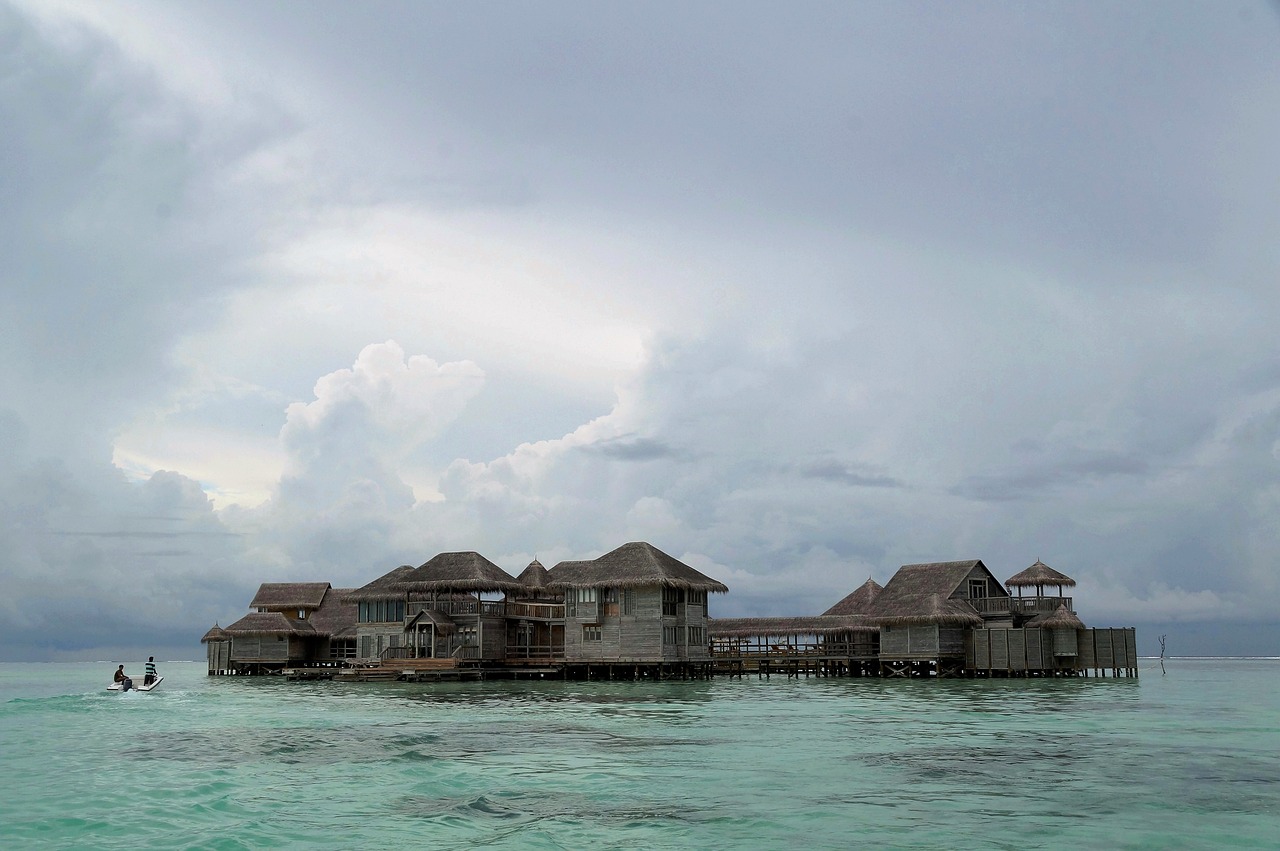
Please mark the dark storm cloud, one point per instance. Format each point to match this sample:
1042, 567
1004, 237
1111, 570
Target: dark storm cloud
914, 283
1038, 479
1089, 132
631, 448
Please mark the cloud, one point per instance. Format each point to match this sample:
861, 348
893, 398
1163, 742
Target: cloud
824, 294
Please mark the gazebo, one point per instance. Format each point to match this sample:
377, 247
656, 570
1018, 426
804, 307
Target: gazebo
1037, 576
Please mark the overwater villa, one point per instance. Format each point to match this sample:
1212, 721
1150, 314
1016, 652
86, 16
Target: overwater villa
638, 612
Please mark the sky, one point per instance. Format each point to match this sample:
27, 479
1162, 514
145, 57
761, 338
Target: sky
796, 293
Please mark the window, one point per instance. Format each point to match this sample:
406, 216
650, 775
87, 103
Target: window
696, 598
671, 600
302, 614
581, 603
610, 601
380, 611
671, 635
697, 636
591, 633
977, 589
628, 602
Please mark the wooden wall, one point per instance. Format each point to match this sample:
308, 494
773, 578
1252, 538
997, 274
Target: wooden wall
264, 648
924, 641
1108, 648
219, 653
1033, 650
639, 636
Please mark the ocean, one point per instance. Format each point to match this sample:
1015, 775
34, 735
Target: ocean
1187, 759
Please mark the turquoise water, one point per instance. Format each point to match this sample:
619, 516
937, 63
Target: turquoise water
1186, 760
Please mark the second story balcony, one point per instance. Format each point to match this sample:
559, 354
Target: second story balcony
1019, 605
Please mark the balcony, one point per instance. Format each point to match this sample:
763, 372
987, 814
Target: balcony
1019, 605
536, 611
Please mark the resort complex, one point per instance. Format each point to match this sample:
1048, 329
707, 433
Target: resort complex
638, 612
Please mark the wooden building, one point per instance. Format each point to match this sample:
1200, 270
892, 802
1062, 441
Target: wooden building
534, 619
635, 605
217, 649
955, 618
437, 610
291, 623
637, 611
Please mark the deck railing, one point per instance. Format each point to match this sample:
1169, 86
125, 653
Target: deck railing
750, 648
492, 608
535, 651
1018, 605
1039, 605
541, 611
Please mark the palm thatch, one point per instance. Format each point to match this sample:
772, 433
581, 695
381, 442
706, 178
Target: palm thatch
762, 627
336, 616
1038, 575
466, 571
923, 594
534, 576
923, 609
938, 577
859, 601
1061, 618
289, 595
215, 633
382, 587
634, 565
269, 623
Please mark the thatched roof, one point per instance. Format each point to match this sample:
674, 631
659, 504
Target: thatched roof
289, 595
534, 576
442, 622
381, 588
215, 633
467, 571
938, 577
1061, 618
336, 616
1040, 574
921, 594
820, 625
910, 610
634, 565
859, 601
269, 623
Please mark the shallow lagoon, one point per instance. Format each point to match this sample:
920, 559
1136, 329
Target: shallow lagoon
1190, 759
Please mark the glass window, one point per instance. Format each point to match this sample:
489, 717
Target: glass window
591, 633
